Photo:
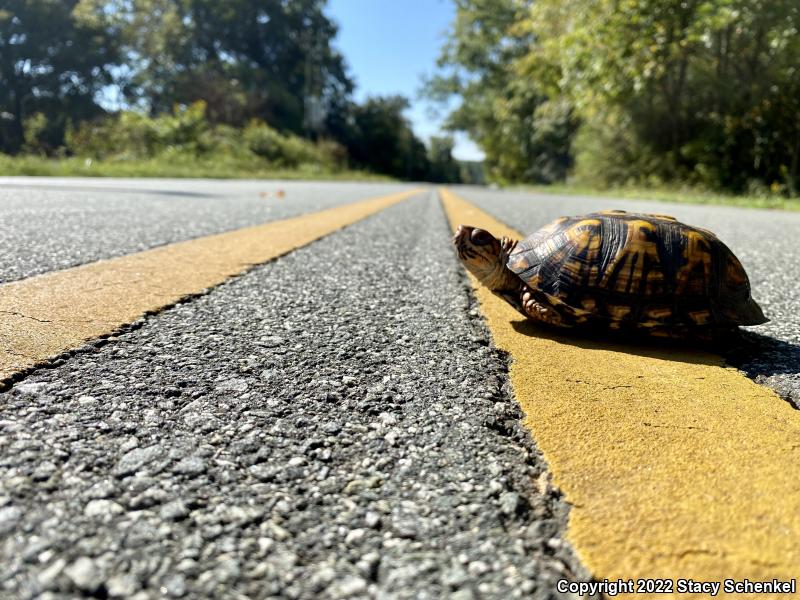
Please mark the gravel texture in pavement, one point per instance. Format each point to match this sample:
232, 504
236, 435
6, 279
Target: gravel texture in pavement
765, 242
55, 224
333, 424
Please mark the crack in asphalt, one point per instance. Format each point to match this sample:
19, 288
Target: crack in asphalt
646, 424
24, 316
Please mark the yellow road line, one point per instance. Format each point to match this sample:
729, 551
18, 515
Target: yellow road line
675, 466
45, 315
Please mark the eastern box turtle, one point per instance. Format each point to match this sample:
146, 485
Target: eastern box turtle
621, 270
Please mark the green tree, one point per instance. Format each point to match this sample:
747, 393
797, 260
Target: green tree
55, 58
705, 89
698, 91
378, 137
524, 135
266, 59
443, 167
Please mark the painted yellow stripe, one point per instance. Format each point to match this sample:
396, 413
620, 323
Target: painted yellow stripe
45, 315
675, 466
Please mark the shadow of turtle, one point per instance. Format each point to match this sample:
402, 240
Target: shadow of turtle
766, 360
689, 351
761, 355
770, 362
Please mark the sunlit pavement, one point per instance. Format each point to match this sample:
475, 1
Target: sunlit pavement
336, 421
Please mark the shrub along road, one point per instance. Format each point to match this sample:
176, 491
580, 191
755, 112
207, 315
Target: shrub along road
335, 422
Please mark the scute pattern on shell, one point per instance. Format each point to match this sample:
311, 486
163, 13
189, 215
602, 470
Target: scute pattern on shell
651, 270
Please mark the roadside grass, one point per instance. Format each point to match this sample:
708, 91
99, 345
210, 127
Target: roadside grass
681, 195
215, 166
231, 166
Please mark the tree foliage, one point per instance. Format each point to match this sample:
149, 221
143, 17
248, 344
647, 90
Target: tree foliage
378, 136
54, 59
524, 135
443, 167
704, 91
186, 70
269, 59
185, 133
709, 87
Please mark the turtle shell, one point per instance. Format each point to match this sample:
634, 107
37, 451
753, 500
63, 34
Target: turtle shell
645, 269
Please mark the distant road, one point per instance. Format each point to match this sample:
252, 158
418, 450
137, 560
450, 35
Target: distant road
335, 422
54, 223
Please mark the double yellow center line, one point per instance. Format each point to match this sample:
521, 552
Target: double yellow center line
46, 315
675, 466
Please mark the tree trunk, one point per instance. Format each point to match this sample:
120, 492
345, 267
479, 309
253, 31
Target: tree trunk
793, 175
17, 128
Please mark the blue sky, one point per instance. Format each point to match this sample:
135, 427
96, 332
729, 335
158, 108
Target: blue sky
389, 45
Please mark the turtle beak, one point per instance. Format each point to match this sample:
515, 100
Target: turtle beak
461, 232
462, 235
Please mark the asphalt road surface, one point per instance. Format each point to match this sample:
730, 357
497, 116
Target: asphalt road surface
334, 423
50, 224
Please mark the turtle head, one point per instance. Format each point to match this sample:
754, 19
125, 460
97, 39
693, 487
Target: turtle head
483, 255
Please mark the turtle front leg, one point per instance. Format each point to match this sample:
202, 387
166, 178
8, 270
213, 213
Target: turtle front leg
539, 309
525, 301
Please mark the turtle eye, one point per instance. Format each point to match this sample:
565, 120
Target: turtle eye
480, 237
